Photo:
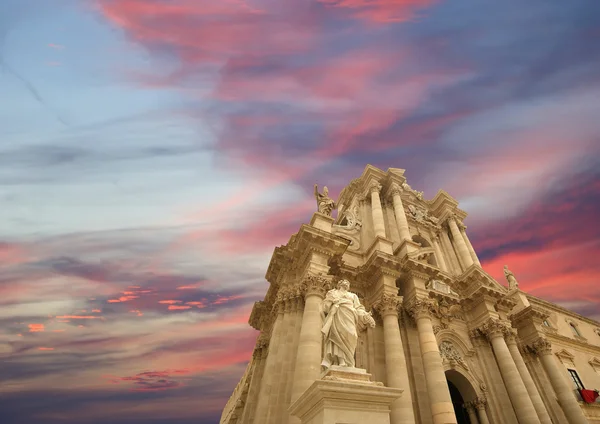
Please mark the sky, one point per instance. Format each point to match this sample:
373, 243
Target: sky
154, 152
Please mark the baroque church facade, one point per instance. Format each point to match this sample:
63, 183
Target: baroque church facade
463, 347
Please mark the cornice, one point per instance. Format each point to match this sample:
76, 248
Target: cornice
563, 340
378, 264
413, 268
560, 309
530, 313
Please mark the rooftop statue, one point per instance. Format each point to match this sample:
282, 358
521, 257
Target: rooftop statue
325, 204
510, 277
344, 316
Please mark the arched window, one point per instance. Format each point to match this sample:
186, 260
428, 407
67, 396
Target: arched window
574, 329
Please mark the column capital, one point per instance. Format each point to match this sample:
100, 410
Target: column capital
395, 189
419, 308
494, 328
388, 304
540, 347
511, 337
480, 403
315, 285
374, 187
469, 406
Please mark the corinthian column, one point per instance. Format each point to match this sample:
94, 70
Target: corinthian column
399, 213
463, 232
376, 210
480, 406
395, 362
308, 356
536, 399
564, 394
495, 331
442, 408
461, 246
265, 403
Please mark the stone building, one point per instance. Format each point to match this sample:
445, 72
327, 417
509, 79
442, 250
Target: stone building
464, 347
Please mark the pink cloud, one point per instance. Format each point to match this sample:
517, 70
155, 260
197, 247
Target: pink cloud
178, 307
169, 302
35, 328
56, 46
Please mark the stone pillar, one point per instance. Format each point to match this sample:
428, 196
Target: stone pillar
376, 210
395, 363
308, 356
470, 407
452, 260
399, 213
438, 253
495, 331
469, 245
265, 403
480, 406
258, 356
564, 394
442, 408
459, 242
536, 399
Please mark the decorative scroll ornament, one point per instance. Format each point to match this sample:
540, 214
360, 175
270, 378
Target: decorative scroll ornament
421, 215
450, 355
417, 194
388, 304
541, 347
325, 204
350, 228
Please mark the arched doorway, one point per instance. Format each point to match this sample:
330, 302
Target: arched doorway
461, 391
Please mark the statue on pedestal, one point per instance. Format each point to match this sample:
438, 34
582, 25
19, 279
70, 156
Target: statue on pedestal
344, 316
510, 277
325, 204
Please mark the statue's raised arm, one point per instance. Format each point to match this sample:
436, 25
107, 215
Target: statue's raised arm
325, 204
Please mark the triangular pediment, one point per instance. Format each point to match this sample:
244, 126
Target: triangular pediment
595, 363
476, 277
565, 355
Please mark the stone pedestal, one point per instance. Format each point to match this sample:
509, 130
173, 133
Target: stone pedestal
345, 396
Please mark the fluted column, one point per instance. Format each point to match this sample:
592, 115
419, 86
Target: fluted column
536, 399
265, 403
395, 362
399, 213
442, 408
495, 331
308, 356
472, 252
470, 407
438, 252
376, 210
564, 394
480, 405
459, 242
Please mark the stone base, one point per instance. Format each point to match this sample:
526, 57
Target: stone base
345, 396
321, 221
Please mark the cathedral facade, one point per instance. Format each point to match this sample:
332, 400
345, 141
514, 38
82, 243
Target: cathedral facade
463, 347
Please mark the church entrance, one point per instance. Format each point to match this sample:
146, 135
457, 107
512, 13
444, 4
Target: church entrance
461, 391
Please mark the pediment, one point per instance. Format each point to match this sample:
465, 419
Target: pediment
595, 363
565, 355
475, 279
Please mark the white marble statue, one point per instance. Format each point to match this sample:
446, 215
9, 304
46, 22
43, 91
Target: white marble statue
510, 277
325, 204
343, 317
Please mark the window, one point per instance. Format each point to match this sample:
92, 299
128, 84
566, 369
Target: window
546, 323
576, 379
574, 329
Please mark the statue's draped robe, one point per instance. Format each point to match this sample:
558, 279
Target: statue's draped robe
344, 314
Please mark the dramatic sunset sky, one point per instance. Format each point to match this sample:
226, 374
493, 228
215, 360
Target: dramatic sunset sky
154, 152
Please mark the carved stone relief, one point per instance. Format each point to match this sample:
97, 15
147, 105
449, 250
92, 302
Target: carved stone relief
451, 356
